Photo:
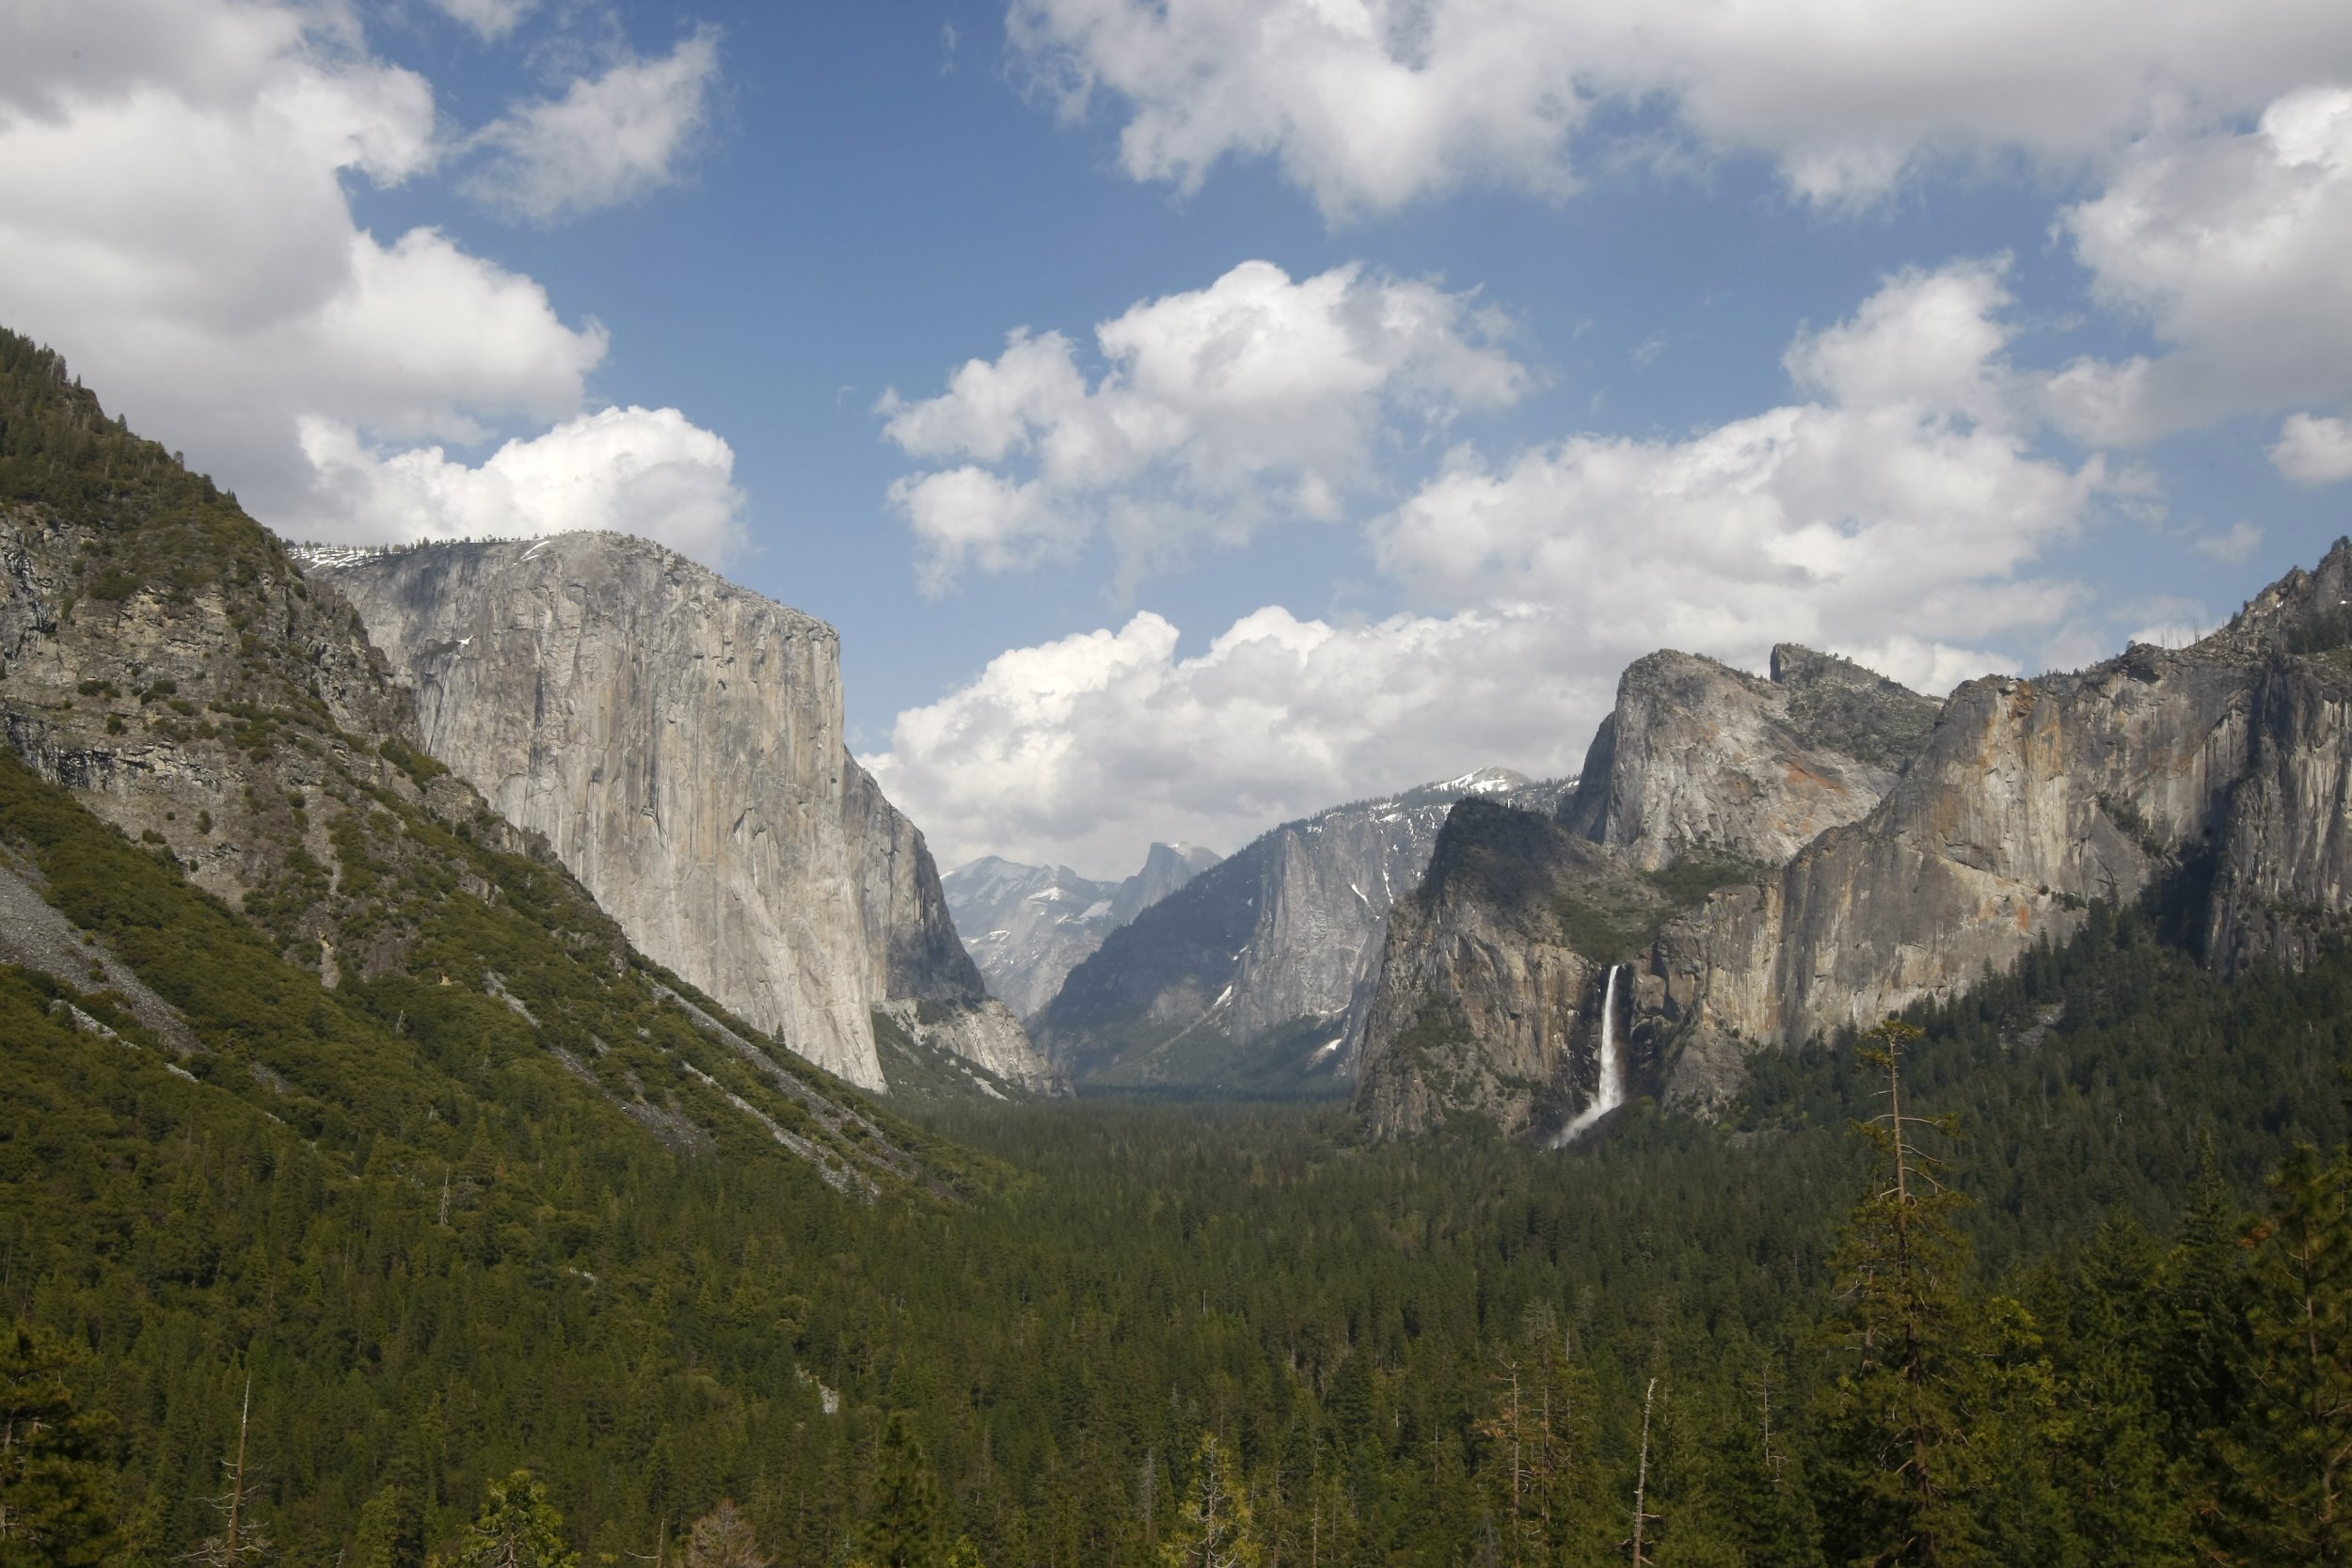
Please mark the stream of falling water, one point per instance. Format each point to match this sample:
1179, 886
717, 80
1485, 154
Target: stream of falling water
1608, 1093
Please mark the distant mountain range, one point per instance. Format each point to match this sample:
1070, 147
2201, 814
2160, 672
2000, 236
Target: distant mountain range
1250, 978
1026, 927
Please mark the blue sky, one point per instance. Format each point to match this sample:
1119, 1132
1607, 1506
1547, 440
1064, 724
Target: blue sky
1390, 374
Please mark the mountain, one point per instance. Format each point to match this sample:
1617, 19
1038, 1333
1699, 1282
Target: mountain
1495, 977
222, 846
1247, 979
679, 740
2210, 777
1026, 927
1697, 756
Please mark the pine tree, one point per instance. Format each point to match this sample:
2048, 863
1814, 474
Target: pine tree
1899, 1419
517, 1528
390, 1532
904, 1528
2289, 1461
53, 1484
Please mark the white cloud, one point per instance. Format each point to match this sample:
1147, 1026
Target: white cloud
2232, 247
173, 218
492, 19
2239, 541
2312, 451
1368, 104
1219, 410
635, 471
1891, 519
608, 140
1896, 518
1084, 750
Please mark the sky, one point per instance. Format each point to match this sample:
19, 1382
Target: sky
1193, 414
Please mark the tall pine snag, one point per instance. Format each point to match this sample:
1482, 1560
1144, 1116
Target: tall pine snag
1214, 1527
722, 1538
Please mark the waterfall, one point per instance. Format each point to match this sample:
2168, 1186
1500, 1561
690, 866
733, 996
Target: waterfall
1609, 1092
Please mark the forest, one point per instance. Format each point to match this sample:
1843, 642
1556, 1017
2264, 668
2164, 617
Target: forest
2100, 1318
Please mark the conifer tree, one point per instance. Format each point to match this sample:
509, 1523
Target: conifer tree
2289, 1461
390, 1532
904, 1528
517, 1528
1899, 1418
52, 1490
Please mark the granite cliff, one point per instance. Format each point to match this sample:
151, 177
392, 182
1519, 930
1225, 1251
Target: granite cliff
679, 742
1027, 926
1495, 970
367, 952
2214, 778
1251, 977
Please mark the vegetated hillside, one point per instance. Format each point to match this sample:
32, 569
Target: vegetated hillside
1251, 979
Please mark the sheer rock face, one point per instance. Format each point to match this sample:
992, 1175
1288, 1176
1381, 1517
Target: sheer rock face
1488, 983
2219, 776
1485, 1006
1257, 970
1027, 926
679, 742
2222, 771
1698, 756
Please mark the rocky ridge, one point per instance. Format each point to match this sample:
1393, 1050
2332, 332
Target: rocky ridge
679, 742
2215, 778
1701, 777
1027, 926
1251, 977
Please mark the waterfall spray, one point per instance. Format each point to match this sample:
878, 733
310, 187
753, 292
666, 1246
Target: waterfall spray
1609, 1092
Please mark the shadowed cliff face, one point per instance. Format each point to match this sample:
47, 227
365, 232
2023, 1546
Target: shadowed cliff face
2217, 775
679, 742
1494, 972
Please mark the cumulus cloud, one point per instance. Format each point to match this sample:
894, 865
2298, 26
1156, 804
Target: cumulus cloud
608, 139
2231, 247
1368, 104
634, 471
1891, 516
1894, 515
173, 218
1218, 410
1084, 750
2312, 451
